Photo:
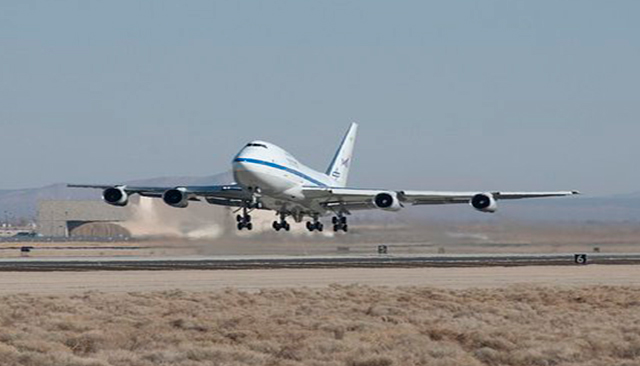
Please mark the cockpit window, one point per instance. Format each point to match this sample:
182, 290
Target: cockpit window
256, 145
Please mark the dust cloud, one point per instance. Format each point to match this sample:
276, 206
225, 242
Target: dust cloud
153, 218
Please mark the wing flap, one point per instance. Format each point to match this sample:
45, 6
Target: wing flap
520, 195
434, 197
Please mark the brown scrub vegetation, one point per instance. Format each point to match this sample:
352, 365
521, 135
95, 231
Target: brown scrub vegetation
337, 325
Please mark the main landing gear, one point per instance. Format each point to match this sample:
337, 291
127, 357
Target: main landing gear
244, 220
339, 223
314, 225
282, 224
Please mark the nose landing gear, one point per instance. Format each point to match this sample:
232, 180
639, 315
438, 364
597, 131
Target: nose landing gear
339, 223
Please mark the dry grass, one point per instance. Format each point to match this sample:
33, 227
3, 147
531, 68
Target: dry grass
339, 325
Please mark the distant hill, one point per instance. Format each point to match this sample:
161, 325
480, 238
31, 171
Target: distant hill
24, 202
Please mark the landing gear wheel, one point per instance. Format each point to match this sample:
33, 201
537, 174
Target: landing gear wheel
276, 226
287, 226
315, 225
244, 220
249, 226
339, 223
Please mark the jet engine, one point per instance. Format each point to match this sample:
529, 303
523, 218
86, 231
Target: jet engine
176, 197
116, 196
387, 201
484, 202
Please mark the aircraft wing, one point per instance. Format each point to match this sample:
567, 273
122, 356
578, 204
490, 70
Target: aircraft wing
347, 199
439, 198
226, 195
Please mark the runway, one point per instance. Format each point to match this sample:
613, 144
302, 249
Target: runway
304, 262
253, 273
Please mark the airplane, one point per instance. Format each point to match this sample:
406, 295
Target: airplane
269, 178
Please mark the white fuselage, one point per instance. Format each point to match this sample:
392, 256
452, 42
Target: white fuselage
279, 176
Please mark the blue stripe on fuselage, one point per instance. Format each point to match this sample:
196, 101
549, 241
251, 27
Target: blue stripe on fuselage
281, 167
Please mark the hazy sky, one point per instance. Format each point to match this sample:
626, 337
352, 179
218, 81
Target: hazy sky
511, 95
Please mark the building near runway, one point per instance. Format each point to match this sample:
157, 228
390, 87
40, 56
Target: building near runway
81, 218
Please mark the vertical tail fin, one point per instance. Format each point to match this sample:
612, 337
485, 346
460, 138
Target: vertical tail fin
339, 167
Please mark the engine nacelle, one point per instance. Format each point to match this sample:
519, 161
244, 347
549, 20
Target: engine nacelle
116, 196
387, 201
484, 202
176, 197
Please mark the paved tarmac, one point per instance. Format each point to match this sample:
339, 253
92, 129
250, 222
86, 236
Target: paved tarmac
302, 262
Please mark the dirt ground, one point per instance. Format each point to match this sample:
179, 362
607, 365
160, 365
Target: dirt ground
256, 280
529, 316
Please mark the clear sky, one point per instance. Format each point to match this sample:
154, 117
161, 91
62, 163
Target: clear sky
511, 95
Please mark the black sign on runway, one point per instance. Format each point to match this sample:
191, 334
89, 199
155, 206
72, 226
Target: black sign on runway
580, 258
